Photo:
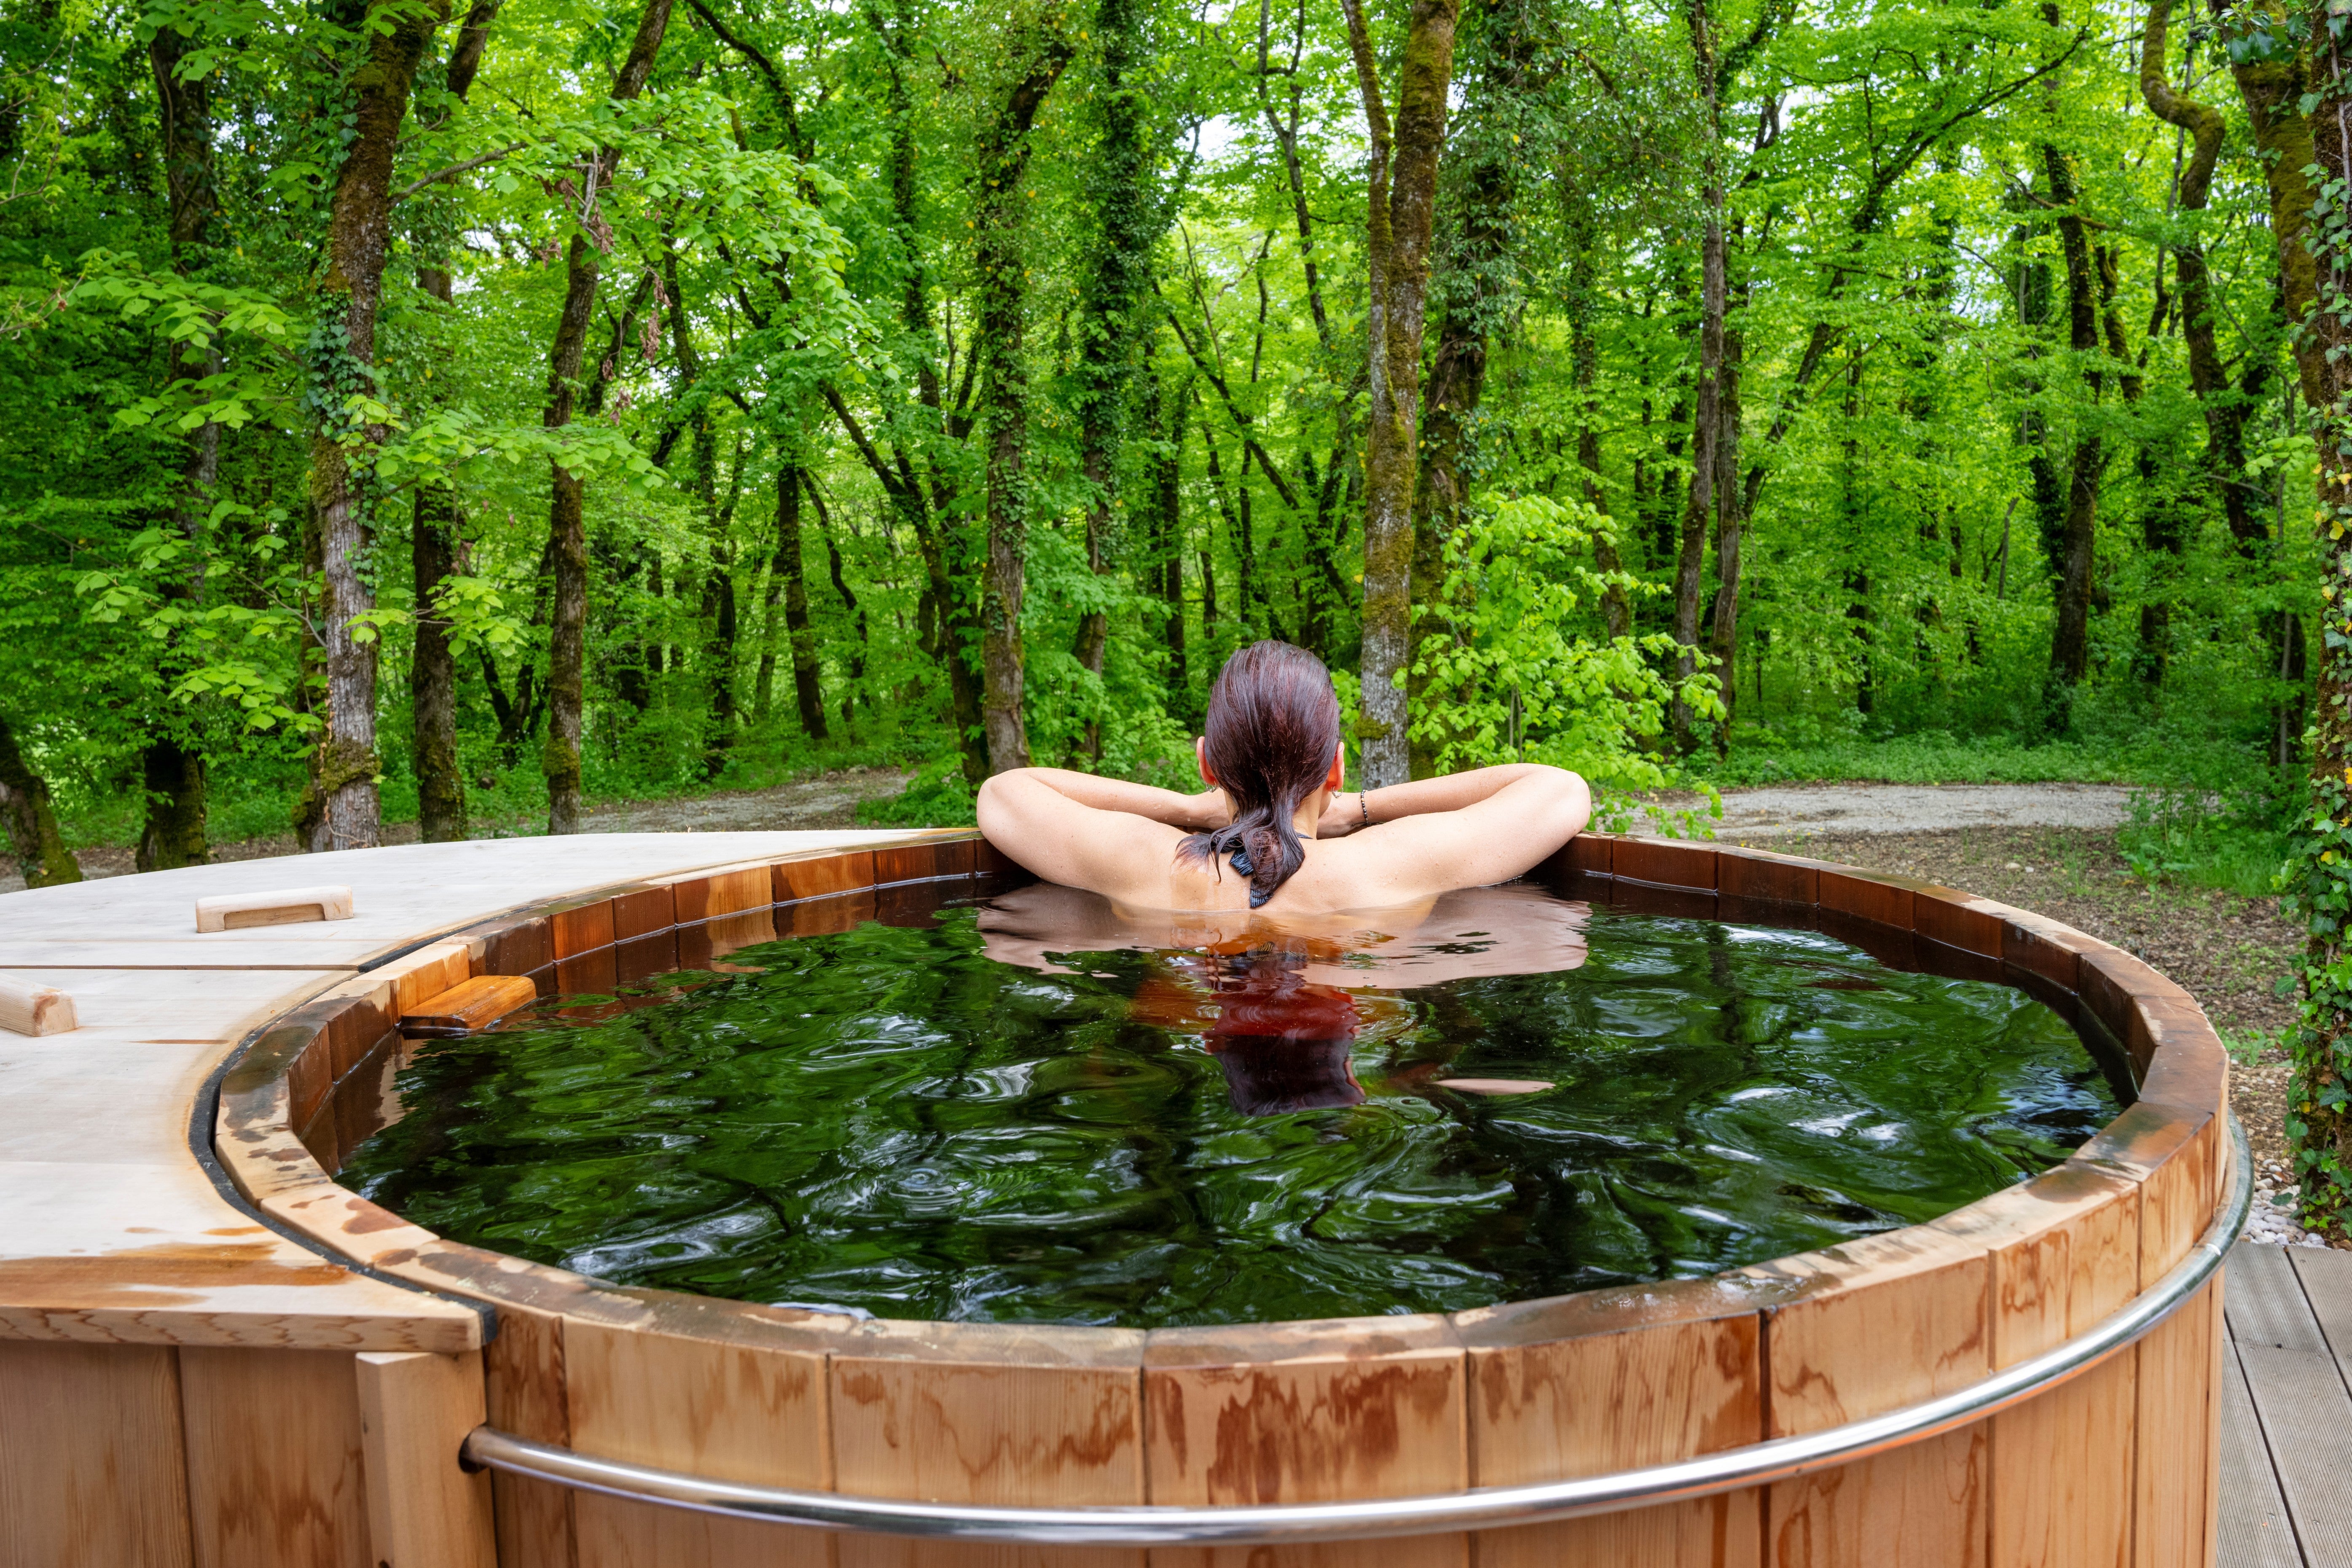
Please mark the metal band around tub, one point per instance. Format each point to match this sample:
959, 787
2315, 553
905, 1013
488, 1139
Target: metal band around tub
1486, 1508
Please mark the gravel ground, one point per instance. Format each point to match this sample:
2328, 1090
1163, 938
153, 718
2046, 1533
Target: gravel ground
1780, 810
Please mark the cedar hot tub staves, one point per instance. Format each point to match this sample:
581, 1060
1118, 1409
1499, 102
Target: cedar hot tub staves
2116, 1466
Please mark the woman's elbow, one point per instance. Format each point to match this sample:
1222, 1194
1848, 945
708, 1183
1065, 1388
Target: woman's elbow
1572, 801
989, 806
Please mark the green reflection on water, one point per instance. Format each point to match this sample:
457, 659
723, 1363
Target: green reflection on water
888, 1119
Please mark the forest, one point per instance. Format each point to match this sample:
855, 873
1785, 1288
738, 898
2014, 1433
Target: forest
458, 416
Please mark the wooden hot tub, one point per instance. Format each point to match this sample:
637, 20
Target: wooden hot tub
2116, 1466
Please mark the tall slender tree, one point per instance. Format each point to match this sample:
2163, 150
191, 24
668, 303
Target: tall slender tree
340, 810
172, 765
432, 541
1403, 200
999, 216
567, 526
1127, 219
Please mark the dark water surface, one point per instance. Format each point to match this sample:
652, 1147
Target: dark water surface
1209, 1127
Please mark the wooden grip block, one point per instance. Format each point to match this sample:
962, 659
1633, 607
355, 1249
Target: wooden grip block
28, 1009
285, 907
461, 1009
425, 1509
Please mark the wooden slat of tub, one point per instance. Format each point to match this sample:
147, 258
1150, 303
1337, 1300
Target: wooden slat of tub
1608, 1381
92, 1467
2255, 1531
819, 876
274, 1473
523, 1393
734, 1412
1308, 1413
982, 1413
2178, 1427
2065, 1254
1896, 1319
423, 1506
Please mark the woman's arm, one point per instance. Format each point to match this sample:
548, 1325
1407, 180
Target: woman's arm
1099, 834
1193, 813
1355, 810
1503, 832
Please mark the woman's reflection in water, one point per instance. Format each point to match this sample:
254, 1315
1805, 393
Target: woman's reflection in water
1280, 1008
1284, 1041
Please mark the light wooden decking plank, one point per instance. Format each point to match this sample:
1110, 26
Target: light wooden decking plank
2327, 1278
114, 1233
2305, 1416
2255, 1531
2266, 1301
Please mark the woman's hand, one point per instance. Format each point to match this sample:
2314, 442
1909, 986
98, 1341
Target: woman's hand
1206, 812
1342, 814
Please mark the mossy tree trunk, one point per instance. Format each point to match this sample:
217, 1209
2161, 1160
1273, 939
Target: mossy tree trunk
1126, 222
1000, 218
341, 809
2275, 70
1400, 215
41, 854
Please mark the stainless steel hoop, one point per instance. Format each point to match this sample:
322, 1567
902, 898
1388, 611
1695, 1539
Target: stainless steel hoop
1484, 1508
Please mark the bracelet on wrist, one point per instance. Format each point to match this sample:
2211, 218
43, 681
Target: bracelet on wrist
1364, 805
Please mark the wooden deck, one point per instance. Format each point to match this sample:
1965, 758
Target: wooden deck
2286, 1417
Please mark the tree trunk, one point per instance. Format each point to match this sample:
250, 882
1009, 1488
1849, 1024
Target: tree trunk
433, 680
173, 772
1458, 382
1000, 217
1730, 516
567, 531
341, 809
2070, 642
1403, 199
432, 552
1474, 286
1585, 355
2271, 82
2319, 878
1706, 435
1118, 274
42, 858
1237, 527
787, 568
855, 610
1166, 571
173, 833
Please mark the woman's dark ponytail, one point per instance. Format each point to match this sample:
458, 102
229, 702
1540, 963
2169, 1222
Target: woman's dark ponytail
1273, 728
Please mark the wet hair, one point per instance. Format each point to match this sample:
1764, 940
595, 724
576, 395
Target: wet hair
1272, 729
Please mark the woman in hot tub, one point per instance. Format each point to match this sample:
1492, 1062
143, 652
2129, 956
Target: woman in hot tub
1276, 810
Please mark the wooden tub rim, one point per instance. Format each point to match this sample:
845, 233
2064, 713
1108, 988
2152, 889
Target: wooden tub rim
1708, 1473
2180, 1065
